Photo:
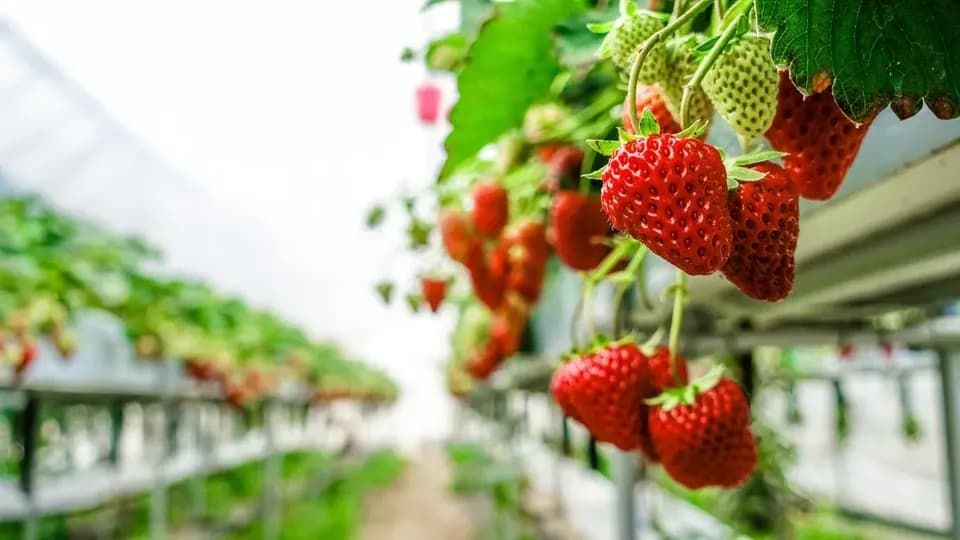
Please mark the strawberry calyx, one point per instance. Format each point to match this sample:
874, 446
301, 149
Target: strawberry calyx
413, 301
385, 291
738, 168
687, 395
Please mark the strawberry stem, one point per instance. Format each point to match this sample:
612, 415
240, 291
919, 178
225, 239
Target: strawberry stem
595, 277
679, 294
574, 333
677, 8
645, 48
703, 67
585, 167
634, 269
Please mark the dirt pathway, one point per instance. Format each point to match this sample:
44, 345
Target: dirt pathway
419, 505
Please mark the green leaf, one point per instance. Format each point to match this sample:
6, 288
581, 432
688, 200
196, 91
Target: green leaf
707, 45
600, 28
385, 291
418, 234
876, 53
694, 130
510, 66
648, 124
375, 216
413, 301
597, 174
744, 174
625, 136
604, 148
757, 157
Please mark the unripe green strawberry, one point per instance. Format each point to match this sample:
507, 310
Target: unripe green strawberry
681, 65
743, 85
624, 40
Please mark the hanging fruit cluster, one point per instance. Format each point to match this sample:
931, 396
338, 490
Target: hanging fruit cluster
537, 113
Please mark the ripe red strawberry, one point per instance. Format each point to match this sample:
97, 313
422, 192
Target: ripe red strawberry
671, 194
488, 277
434, 291
563, 168
457, 234
562, 388
509, 321
707, 442
527, 255
484, 361
546, 151
661, 378
490, 208
27, 355
650, 98
820, 141
578, 229
606, 391
766, 225
660, 372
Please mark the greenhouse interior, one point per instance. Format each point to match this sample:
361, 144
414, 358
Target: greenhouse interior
480, 269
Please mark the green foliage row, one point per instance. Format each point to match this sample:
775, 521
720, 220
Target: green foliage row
52, 266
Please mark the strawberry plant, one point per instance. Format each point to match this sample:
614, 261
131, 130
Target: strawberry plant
586, 131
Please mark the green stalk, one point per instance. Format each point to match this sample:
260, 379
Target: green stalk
647, 46
702, 69
585, 167
593, 278
633, 269
679, 294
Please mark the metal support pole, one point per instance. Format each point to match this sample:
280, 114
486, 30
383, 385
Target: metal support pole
625, 476
198, 483
949, 361
116, 430
29, 427
272, 491
158, 494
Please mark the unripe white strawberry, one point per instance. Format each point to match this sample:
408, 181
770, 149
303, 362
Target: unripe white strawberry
742, 84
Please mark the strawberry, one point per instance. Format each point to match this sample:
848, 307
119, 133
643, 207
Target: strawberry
562, 388
434, 290
508, 324
820, 141
670, 193
628, 33
678, 73
605, 391
766, 224
660, 372
484, 361
28, 353
545, 152
704, 440
457, 234
742, 84
487, 278
490, 208
563, 168
661, 378
578, 229
527, 254
650, 98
